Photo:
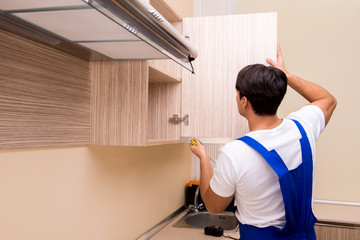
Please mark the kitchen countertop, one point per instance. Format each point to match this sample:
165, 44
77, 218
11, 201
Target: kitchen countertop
177, 233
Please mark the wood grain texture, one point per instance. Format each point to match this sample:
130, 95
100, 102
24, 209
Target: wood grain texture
159, 76
336, 233
226, 44
164, 101
169, 67
44, 96
166, 10
119, 102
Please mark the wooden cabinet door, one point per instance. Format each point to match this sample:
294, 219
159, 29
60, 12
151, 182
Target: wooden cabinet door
119, 102
226, 44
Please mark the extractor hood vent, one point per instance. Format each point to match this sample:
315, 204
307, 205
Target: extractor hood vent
117, 29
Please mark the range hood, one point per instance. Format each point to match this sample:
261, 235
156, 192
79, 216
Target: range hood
117, 29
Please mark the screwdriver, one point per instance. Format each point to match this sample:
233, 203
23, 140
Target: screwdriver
194, 144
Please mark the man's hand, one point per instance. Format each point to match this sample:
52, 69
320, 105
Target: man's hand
199, 150
279, 63
312, 92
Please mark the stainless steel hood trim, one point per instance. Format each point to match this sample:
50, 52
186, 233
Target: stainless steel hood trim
53, 41
138, 17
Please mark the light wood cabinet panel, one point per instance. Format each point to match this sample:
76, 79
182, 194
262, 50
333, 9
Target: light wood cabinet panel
129, 110
166, 10
164, 101
159, 76
337, 233
119, 102
44, 96
225, 45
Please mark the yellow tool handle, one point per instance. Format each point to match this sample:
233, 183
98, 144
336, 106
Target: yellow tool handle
193, 142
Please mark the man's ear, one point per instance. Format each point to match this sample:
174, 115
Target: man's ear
244, 101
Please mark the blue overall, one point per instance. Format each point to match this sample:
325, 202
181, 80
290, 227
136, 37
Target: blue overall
296, 188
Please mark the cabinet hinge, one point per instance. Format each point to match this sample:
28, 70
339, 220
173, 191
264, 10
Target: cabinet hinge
175, 119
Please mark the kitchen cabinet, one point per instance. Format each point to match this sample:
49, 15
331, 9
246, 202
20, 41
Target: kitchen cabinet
44, 96
225, 45
52, 98
132, 101
129, 102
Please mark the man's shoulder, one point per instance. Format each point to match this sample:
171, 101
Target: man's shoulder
236, 149
308, 113
235, 144
311, 117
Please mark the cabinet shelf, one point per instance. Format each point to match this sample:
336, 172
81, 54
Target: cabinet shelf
157, 75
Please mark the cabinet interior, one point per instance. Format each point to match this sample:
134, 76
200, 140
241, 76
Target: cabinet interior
164, 94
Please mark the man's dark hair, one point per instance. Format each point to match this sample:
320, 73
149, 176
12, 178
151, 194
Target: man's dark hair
264, 87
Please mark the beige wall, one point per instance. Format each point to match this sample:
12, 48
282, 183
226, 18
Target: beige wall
320, 42
90, 192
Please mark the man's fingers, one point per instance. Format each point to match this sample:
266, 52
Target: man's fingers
279, 55
195, 141
271, 62
278, 49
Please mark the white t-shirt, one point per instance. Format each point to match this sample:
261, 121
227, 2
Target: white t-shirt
241, 170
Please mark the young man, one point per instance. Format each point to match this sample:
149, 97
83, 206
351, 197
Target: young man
270, 170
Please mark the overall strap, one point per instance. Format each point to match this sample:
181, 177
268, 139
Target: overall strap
305, 144
296, 189
271, 157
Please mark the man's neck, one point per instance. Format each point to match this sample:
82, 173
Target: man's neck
257, 122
